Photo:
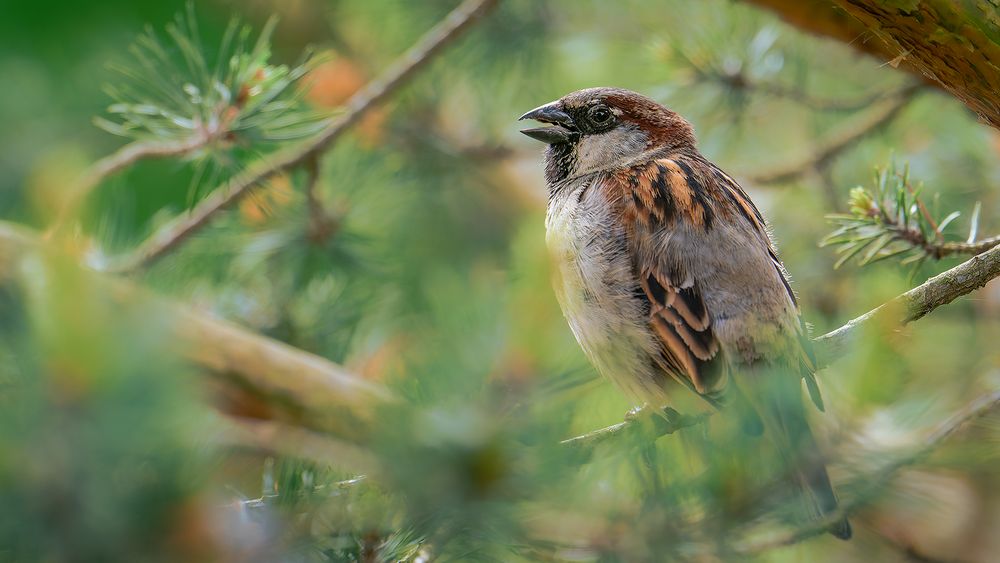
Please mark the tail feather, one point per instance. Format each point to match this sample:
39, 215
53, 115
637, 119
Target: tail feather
817, 489
780, 407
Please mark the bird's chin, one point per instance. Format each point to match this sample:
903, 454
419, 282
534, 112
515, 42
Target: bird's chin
552, 135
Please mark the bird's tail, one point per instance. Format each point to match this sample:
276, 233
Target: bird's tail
818, 492
781, 412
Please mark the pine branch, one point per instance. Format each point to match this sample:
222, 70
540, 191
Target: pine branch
121, 159
890, 220
829, 148
401, 71
173, 110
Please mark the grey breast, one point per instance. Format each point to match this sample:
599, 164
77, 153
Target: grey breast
597, 289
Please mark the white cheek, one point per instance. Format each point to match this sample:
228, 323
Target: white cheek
608, 150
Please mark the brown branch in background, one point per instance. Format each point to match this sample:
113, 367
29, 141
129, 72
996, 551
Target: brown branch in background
874, 483
943, 42
838, 141
322, 225
822, 18
291, 441
291, 384
914, 304
417, 57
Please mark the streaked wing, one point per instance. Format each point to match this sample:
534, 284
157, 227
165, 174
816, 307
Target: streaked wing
653, 197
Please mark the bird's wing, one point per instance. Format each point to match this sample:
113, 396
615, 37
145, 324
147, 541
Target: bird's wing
653, 196
656, 195
806, 358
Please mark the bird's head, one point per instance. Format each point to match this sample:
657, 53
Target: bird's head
603, 129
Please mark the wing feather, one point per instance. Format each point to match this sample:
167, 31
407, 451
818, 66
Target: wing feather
655, 195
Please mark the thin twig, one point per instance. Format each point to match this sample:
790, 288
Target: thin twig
741, 81
840, 140
938, 248
418, 56
873, 483
670, 422
119, 160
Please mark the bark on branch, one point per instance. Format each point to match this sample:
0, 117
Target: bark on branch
953, 44
295, 386
914, 304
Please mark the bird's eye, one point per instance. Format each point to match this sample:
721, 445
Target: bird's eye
600, 115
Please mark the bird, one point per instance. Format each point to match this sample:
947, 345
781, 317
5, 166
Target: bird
668, 277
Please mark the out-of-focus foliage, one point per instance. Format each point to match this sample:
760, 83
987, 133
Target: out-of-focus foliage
430, 275
240, 96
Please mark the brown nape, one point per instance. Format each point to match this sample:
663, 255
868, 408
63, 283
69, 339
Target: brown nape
664, 127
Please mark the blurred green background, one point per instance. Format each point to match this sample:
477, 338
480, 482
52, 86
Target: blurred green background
434, 280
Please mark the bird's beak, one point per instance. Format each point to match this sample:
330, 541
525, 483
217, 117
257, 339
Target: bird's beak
563, 130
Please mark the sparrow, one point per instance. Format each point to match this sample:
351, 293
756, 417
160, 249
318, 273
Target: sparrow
667, 274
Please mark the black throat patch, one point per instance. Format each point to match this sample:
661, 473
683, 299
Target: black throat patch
559, 162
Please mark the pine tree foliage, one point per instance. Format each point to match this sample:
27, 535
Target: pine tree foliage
236, 97
408, 258
890, 220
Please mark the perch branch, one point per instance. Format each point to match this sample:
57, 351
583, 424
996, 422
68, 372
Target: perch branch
670, 422
914, 304
417, 57
917, 302
838, 141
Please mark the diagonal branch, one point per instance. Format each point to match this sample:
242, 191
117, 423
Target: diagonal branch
292, 384
917, 302
295, 442
417, 57
829, 148
121, 159
910, 306
873, 483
